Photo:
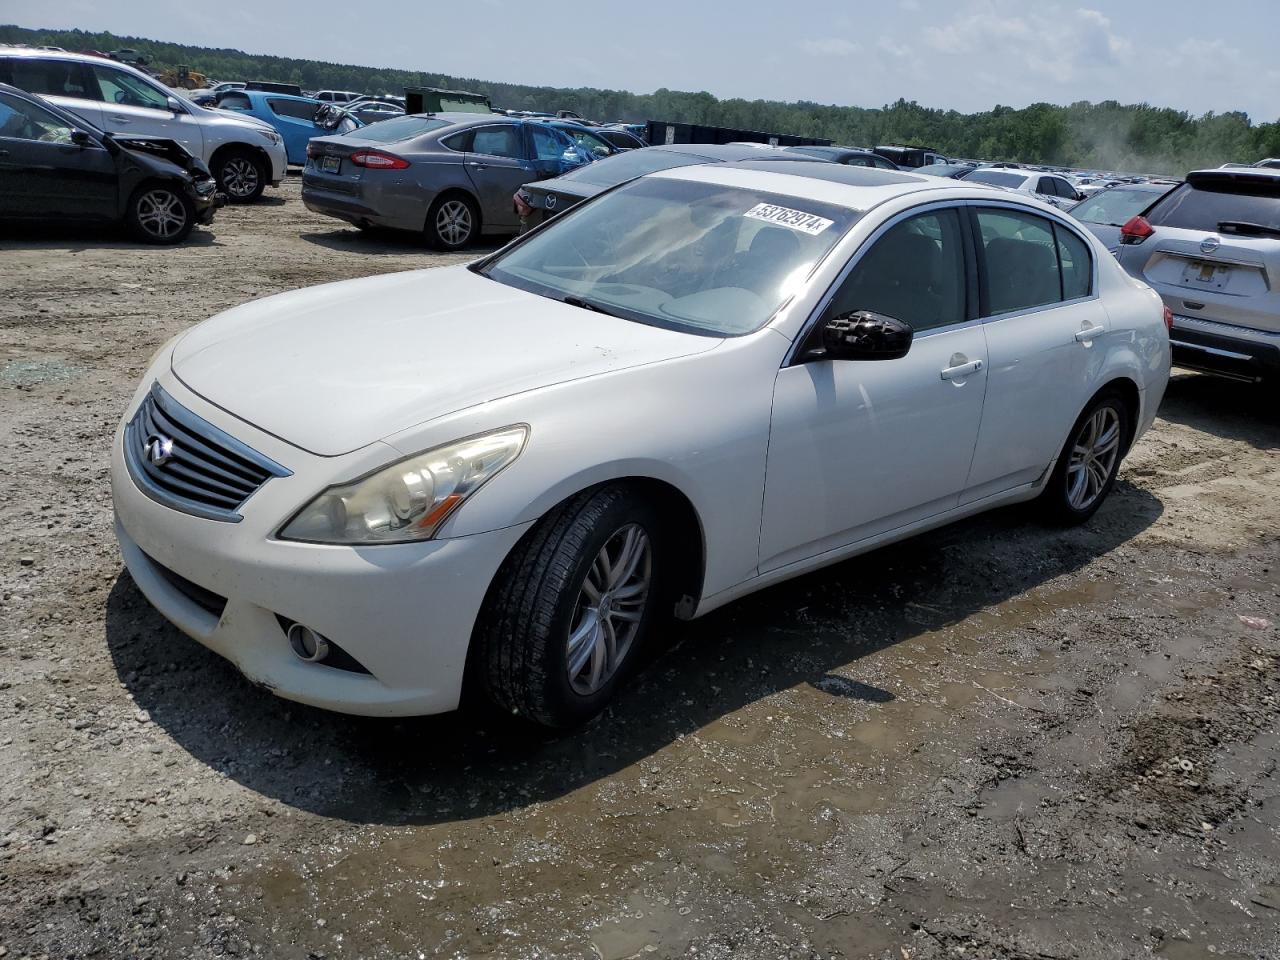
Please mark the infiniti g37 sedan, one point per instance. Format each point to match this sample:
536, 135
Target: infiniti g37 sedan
705, 381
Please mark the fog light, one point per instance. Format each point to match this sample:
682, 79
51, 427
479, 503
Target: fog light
307, 644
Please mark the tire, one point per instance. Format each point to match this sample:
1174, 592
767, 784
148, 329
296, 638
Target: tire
1081, 481
452, 222
242, 176
160, 213
539, 605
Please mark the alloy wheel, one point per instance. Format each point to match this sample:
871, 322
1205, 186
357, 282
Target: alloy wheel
1093, 456
161, 213
453, 223
240, 177
609, 609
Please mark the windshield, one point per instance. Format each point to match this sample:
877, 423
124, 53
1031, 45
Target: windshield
400, 128
634, 163
996, 178
1114, 207
699, 257
1204, 207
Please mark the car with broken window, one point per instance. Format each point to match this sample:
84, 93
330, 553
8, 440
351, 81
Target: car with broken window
505, 476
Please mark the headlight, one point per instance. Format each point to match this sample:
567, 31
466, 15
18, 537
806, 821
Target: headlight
408, 500
271, 135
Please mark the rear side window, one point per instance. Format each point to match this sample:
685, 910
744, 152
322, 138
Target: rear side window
1205, 206
1031, 262
498, 141
235, 101
49, 78
298, 109
915, 272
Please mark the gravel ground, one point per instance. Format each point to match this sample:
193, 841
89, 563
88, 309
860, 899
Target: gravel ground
996, 741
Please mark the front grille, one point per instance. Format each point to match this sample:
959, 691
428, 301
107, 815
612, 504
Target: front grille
185, 462
205, 599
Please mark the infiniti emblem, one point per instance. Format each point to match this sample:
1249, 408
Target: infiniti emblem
159, 449
1209, 244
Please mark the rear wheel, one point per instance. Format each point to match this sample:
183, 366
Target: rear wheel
160, 213
241, 176
1087, 467
571, 607
452, 222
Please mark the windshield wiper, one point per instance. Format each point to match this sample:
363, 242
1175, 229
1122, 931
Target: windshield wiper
588, 305
1244, 226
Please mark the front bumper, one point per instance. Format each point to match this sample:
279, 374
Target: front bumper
404, 612
1225, 349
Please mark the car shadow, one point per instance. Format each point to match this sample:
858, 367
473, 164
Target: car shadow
80, 237
475, 762
1225, 408
397, 242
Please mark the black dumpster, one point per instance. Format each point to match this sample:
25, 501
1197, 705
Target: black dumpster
659, 132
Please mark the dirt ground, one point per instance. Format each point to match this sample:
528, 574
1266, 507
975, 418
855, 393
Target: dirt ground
996, 741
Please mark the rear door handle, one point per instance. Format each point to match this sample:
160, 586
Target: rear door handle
961, 370
477, 165
1088, 333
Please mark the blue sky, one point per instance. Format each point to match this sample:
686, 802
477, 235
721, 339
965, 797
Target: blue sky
965, 54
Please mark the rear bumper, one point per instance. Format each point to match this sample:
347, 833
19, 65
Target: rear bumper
1222, 348
355, 210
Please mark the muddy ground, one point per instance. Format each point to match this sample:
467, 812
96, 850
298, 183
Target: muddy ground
1000, 740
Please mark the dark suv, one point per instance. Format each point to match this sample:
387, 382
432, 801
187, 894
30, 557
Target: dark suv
1211, 249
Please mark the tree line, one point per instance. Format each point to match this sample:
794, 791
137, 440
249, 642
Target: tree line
1108, 135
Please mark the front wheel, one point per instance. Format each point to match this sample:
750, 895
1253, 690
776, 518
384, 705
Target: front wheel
571, 607
160, 213
1087, 467
241, 176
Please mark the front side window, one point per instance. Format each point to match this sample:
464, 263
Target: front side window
502, 140
116, 86
914, 272
698, 257
547, 144
1021, 256
21, 120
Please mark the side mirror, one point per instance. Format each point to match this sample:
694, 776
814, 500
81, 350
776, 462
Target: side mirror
175, 105
863, 335
81, 139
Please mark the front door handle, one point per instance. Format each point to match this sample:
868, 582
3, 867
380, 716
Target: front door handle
1088, 333
961, 370
120, 120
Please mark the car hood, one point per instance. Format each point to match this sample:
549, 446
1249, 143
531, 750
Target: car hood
335, 367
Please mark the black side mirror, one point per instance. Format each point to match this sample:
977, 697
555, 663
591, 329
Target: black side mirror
863, 335
80, 138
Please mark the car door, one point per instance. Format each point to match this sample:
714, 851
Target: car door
43, 173
295, 121
1046, 330
498, 164
131, 104
65, 83
858, 448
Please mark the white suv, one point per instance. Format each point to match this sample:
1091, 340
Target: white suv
244, 154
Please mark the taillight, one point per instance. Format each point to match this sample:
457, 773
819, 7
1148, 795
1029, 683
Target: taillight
313, 150
377, 160
1168, 319
1136, 230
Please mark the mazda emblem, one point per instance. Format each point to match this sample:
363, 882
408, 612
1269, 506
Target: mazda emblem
159, 449
551, 201
1209, 244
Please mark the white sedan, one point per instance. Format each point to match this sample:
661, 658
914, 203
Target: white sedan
710, 379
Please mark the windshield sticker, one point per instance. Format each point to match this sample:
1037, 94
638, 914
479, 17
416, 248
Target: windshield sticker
786, 217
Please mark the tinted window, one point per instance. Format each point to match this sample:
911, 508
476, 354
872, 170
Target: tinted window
49, 78
634, 163
398, 128
20, 120
1065, 190
498, 141
116, 86
1076, 263
1047, 187
997, 178
1204, 207
298, 109
1022, 261
914, 272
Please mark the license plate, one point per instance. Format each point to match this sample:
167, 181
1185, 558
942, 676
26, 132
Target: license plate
1202, 274
330, 164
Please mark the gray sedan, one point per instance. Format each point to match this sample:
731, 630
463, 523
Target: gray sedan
448, 175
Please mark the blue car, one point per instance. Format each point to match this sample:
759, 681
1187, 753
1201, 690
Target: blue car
296, 119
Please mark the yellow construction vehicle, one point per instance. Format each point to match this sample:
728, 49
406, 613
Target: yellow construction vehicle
183, 77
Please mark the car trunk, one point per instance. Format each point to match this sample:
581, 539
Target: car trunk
329, 165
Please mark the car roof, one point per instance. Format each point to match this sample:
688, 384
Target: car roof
277, 96
1237, 174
